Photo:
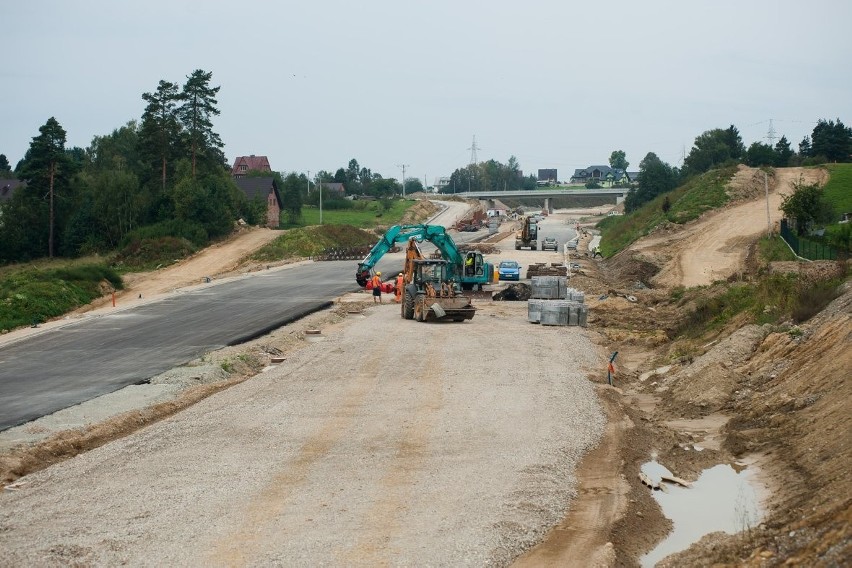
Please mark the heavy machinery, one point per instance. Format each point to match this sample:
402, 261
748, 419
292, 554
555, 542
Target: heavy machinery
469, 270
528, 235
428, 294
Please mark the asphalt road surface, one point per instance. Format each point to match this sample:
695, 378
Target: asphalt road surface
80, 361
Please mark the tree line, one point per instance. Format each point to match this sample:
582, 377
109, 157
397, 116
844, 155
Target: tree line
830, 141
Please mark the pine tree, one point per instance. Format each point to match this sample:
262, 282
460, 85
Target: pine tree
197, 108
160, 131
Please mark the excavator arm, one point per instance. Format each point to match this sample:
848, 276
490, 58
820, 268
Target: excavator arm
436, 234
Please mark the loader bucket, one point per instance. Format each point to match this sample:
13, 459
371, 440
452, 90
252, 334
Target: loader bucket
457, 308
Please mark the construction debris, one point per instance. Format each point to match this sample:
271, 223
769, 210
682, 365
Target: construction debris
542, 269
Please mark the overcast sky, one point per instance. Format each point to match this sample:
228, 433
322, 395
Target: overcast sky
314, 83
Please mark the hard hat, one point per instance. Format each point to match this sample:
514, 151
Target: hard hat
400, 273
378, 273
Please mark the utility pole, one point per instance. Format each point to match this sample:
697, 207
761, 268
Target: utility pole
766, 188
403, 166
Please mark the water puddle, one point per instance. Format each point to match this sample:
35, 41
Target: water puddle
723, 498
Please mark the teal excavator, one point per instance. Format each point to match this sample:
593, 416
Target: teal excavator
469, 270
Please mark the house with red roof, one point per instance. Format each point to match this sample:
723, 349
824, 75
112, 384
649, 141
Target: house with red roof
243, 164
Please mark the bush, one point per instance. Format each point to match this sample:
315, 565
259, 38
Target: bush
193, 232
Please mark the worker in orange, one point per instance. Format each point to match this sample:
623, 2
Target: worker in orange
398, 289
377, 288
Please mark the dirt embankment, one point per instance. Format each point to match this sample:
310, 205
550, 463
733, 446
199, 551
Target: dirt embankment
775, 396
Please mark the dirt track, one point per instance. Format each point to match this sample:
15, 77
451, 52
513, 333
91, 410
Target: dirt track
715, 246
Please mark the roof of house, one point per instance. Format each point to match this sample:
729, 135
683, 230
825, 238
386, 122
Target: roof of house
252, 162
258, 187
605, 170
334, 186
8, 186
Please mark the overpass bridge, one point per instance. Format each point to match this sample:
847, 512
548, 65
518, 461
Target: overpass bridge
547, 194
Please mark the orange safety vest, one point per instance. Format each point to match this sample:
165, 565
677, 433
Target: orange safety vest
377, 283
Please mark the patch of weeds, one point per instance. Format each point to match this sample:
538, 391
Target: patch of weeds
227, 366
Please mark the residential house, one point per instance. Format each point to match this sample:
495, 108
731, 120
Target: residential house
243, 164
332, 190
263, 189
605, 176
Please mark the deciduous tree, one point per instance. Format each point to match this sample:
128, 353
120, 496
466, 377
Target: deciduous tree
713, 148
291, 198
618, 160
805, 206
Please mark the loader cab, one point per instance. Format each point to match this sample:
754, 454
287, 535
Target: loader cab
432, 271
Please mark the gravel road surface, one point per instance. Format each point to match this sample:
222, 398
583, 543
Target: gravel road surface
387, 442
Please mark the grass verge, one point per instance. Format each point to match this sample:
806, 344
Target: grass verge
311, 241
30, 295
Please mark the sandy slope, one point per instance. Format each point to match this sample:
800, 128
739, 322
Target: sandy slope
715, 246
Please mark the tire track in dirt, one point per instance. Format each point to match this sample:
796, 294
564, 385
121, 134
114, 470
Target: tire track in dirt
246, 542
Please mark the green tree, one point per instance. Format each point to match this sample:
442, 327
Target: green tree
47, 169
805, 206
291, 198
656, 177
832, 140
618, 160
783, 152
385, 188
161, 128
198, 106
713, 148
805, 149
5, 167
413, 185
760, 154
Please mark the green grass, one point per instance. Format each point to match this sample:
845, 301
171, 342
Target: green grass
364, 214
31, 295
772, 299
311, 241
701, 193
774, 249
838, 190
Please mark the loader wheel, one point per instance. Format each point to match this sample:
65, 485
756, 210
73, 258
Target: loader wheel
408, 306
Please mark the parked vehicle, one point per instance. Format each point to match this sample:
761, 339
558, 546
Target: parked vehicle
549, 243
509, 270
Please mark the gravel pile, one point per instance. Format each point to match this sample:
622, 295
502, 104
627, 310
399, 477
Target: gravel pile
386, 442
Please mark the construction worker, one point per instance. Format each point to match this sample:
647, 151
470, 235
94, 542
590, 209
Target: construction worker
468, 264
398, 289
377, 288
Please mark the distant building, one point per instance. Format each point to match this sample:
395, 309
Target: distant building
243, 164
547, 175
605, 176
263, 189
333, 189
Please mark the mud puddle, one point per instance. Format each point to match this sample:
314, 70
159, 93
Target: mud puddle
724, 498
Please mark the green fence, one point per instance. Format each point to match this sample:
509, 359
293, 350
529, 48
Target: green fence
811, 250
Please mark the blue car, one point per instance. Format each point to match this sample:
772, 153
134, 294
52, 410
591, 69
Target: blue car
509, 270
